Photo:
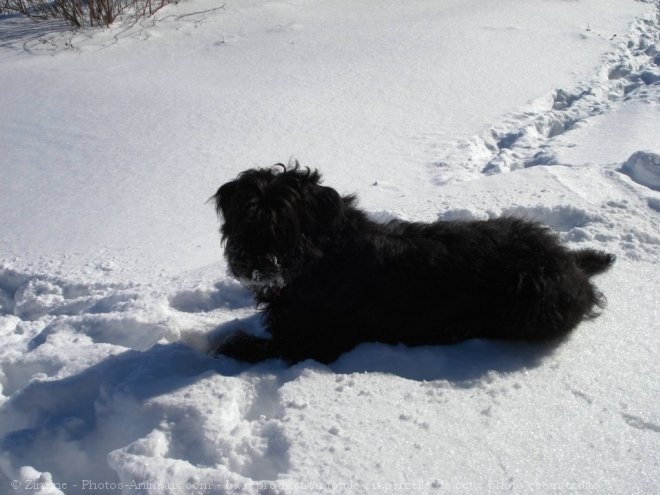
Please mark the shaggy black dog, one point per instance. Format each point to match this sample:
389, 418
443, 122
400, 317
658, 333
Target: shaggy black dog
329, 278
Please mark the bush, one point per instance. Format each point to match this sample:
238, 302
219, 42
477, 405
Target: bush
82, 13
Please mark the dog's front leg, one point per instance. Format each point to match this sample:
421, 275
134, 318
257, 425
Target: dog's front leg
245, 347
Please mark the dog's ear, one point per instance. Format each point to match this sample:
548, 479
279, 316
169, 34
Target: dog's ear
330, 199
331, 207
223, 197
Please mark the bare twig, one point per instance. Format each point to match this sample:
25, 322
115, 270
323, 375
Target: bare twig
82, 13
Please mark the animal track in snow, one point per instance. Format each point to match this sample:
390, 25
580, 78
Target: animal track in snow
129, 372
639, 423
236, 435
40, 313
31, 297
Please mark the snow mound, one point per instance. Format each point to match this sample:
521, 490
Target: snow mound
644, 168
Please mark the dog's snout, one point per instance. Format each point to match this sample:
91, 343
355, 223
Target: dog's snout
271, 259
247, 265
267, 264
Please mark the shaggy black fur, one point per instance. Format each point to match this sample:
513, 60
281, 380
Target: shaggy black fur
329, 278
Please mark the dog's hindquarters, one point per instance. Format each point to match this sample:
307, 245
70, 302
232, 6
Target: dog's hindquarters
503, 278
529, 286
554, 297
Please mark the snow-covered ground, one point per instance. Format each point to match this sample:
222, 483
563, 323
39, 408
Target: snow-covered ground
113, 288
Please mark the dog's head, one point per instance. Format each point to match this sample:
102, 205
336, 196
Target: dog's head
275, 220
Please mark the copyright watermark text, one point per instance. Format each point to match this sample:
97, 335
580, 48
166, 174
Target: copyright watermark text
383, 486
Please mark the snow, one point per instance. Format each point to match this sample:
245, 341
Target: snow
644, 168
113, 288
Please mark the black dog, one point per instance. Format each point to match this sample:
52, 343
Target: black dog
329, 278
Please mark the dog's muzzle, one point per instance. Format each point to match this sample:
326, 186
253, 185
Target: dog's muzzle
261, 274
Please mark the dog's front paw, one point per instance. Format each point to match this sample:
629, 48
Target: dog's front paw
245, 347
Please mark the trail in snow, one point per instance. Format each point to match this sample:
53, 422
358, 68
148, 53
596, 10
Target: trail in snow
524, 139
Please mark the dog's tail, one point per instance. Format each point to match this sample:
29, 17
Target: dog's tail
593, 262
